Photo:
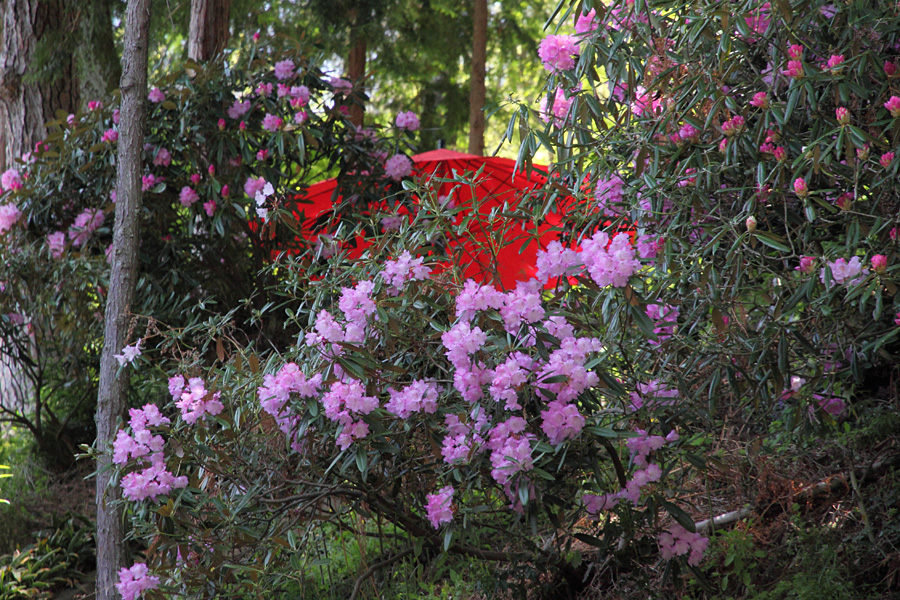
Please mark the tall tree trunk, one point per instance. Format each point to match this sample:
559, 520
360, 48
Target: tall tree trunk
26, 104
123, 273
99, 69
356, 71
208, 34
477, 93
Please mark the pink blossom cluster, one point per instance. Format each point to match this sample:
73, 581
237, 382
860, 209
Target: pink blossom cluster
556, 261
586, 23
342, 402
134, 581
642, 445
357, 305
284, 69
10, 181
86, 223
272, 122
156, 95
558, 52
155, 479
760, 100
893, 105
609, 193
110, 136
188, 196
612, 265
523, 304
558, 108
569, 361
56, 243
162, 157
9, 216
149, 181
845, 272
193, 399
461, 439
405, 268
341, 87
408, 121
678, 541
666, 318
238, 109
508, 377
275, 392
510, 449
439, 507
398, 166
561, 421
418, 396
651, 394
733, 126
474, 298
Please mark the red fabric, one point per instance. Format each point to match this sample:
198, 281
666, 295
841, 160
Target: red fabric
484, 246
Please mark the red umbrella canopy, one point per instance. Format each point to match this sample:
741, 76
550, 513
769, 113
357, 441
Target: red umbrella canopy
493, 249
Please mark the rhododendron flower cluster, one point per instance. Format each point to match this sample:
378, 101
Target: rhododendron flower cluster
844, 271
418, 396
677, 541
10, 180
86, 223
344, 401
134, 581
557, 52
609, 266
408, 120
398, 166
439, 507
9, 215
274, 396
559, 111
405, 268
156, 95
193, 399
155, 479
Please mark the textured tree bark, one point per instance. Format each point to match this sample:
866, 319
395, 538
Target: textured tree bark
356, 71
99, 69
477, 93
25, 105
208, 34
123, 273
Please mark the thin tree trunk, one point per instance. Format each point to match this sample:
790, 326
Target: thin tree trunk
110, 401
26, 105
208, 34
356, 71
477, 93
99, 69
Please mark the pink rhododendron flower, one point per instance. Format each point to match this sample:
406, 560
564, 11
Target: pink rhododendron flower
221, 124
110, 136
794, 69
760, 100
418, 396
398, 166
475, 297
262, 155
9, 215
559, 112
557, 52
300, 117
163, 158
800, 187
886, 159
440, 506
94, 105
879, 263
585, 23
85, 224
272, 122
807, 264
890, 68
733, 126
188, 196
844, 272
156, 95
284, 69
10, 180
893, 105
254, 185
135, 581
609, 266
677, 541
835, 61
341, 87
210, 207
56, 242
129, 353
561, 422
556, 261
193, 399
405, 268
408, 120
299, 96
225, 191
239, 109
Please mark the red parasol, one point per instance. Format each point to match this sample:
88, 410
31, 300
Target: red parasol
489, 245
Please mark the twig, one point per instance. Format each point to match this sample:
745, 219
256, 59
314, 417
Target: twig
379, 565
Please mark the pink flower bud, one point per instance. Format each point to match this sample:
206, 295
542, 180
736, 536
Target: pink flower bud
224, 191
780, 153
221, 124
893, 105
807, 264
751, 224
890, 69
800, 187
195, 178
211, 170
879, 263
760, 100
886, 159
842, 115
242, 126
863, 153
835, 61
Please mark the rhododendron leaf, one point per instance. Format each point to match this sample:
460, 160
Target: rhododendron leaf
362, 461
679, 515
448, 538
773, 241
604, 432
643, 322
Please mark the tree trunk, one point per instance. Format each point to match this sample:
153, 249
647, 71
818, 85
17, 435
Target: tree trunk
99, 69
356, 71
26, 104
477, 94
123, 273
208, 33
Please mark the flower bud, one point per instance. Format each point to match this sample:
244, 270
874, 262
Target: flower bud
842, 115
751, 224
879, 263
800, 187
